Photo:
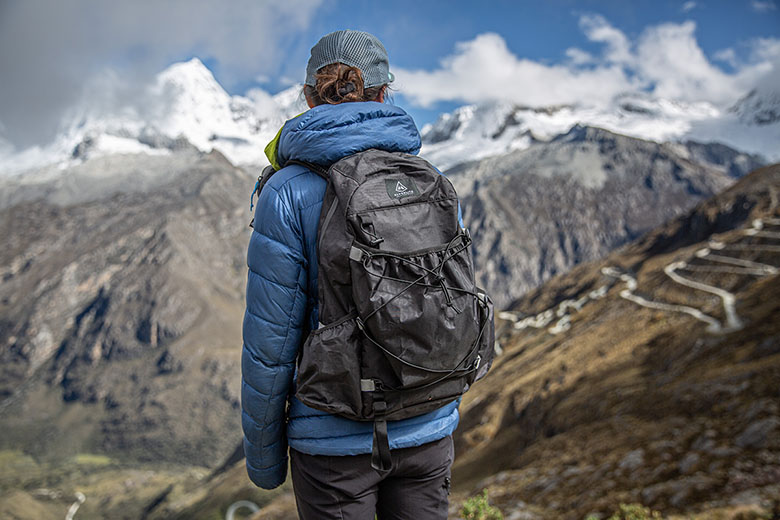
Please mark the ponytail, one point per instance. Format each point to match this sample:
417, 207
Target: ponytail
340, 83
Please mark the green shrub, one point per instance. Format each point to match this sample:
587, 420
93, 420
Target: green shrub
477, 508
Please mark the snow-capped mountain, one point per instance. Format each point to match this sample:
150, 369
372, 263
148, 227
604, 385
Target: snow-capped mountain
538, 212
761, 106
183, 105
758, 109
475, 132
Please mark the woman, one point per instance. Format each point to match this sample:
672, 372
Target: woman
347, 78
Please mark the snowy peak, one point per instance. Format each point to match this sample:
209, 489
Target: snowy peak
183, 106
475, 132
198, 107
190, 75
186, 104
470, 121
758, 108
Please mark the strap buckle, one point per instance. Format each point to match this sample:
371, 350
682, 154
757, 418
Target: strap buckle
356, 254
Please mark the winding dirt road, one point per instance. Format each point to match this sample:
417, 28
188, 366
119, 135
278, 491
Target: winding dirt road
723, 264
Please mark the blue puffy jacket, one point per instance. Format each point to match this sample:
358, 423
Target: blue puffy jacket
281, 294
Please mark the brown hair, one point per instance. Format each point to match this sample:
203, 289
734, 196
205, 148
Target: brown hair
339, 83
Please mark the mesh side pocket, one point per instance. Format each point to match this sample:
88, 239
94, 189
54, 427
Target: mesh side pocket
329, 369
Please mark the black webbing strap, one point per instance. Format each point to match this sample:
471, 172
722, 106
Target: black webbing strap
381, 461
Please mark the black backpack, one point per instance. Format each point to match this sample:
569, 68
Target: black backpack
403, 328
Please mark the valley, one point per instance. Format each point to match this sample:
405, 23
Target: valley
635, 277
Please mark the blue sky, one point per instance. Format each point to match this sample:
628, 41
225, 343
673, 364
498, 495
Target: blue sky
419, 34
444, 54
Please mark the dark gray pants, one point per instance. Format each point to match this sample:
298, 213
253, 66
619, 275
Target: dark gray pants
346, 488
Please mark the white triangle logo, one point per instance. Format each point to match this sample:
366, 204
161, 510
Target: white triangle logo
400, 187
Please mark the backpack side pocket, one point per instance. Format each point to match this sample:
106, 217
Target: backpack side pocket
329, 369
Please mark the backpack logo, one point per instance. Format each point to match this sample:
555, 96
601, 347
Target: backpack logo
400, 188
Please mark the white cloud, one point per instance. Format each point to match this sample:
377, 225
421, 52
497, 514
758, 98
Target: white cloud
763, 6
726, 56
673, 59
484, 69
578, 56
669, 58
688, 6
665, 60
597, 29
50, 48
262, 101
765, 49
288, 81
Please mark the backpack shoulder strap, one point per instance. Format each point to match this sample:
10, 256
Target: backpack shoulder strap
316, 168
262, 179
268, 171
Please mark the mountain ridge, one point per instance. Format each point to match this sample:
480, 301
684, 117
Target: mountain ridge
185, 104
540, 211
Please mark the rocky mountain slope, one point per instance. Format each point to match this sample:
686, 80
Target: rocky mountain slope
537, 212
120, 317
614, 386
649, 376
534, 213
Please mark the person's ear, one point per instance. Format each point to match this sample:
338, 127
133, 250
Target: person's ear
309, 100
380, 98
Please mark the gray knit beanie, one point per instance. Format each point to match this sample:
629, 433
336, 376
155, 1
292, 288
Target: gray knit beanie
354, 48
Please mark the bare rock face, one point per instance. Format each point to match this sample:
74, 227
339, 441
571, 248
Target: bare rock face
127, 309
538, 212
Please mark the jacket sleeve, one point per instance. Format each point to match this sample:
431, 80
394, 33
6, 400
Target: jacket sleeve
272, 330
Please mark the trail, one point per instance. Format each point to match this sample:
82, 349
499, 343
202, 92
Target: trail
235, 506
713, 325
721, 264
80, 498
732, 321
561, 311
707, 253
729, 264
749, 247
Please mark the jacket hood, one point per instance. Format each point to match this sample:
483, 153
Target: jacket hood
327, 133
